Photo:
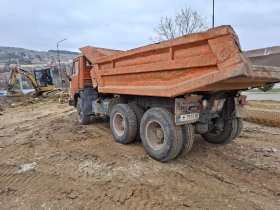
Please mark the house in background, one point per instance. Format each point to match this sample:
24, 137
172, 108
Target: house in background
269, 56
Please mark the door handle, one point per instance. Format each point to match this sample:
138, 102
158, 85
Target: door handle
77, 82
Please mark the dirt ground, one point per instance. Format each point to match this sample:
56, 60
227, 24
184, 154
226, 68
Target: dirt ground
264, 112
49, 161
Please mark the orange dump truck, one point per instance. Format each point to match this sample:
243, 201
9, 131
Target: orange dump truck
164, 93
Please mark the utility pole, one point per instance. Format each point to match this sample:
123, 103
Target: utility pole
59, 62
213, 14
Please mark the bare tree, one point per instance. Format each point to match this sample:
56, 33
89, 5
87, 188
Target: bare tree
186, 21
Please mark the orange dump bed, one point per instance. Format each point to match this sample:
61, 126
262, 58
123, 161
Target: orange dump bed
207, 61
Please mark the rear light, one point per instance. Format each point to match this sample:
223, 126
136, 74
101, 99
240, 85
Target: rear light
243, 102
204, 103
199, 107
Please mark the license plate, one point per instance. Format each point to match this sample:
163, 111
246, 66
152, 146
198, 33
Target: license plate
188, 117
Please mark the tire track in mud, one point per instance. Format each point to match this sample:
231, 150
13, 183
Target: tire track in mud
61, 169
63, 164
127, 194
238, 173
117, 194
133, 196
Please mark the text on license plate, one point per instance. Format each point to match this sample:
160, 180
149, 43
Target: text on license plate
188, 117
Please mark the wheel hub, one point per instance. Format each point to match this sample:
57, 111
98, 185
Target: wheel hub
159, 135
155, 135
217, 126
122, 123
119, 124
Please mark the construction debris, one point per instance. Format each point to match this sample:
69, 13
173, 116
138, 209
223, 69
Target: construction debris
273, 150
27, 167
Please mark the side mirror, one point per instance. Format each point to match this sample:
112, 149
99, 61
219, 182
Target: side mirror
68, 77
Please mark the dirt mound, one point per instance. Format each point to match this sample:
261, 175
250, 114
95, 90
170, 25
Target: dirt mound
27, 99
61, 96
264, 112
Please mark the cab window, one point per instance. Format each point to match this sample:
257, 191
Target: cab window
75, 68
88, 63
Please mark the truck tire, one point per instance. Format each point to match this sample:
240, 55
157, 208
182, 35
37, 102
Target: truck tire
139, 112
225, 135
239, 122
161, 138
188, 139
82, 117
123, 123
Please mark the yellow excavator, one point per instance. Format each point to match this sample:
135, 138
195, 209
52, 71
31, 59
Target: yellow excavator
42, 82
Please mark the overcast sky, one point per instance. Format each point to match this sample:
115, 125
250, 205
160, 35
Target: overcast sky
126, 24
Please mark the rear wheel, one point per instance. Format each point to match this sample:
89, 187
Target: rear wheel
82, 117
139, 112
239, 122
188, 139
123, 123
222, 132
160, 136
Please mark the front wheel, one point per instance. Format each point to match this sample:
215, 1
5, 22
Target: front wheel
222, 131
82, 117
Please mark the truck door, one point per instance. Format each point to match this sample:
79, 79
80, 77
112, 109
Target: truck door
74, 85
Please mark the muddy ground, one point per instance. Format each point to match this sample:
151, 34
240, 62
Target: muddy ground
49, 161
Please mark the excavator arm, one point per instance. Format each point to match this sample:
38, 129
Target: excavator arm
13, 76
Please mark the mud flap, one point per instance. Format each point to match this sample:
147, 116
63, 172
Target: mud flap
71, 102
88, 95
228, 112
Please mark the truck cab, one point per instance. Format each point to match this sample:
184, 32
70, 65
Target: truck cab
82, 68
80, 74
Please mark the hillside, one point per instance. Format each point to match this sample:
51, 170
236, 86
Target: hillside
65, 52
10, 55
30, 59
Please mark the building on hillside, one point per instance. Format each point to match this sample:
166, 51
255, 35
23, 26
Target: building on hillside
262, 51
4, 78
5, 75
269, 56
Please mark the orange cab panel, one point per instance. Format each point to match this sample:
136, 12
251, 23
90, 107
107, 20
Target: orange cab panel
74, 84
